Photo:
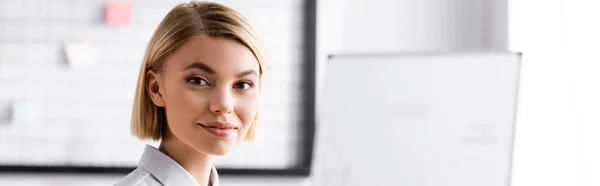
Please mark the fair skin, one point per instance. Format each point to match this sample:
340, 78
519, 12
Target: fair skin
206, 84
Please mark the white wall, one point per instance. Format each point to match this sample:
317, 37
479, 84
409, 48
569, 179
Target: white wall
416, 25
557, 131
351, 26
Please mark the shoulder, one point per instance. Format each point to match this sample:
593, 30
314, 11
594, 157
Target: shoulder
138, 177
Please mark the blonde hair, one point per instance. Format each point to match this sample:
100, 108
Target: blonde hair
183, 22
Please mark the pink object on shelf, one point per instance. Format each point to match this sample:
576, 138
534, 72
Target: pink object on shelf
118, 13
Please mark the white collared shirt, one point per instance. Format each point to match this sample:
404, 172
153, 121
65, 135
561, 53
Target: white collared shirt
158, 169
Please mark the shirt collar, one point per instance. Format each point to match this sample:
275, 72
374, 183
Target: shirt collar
169, 172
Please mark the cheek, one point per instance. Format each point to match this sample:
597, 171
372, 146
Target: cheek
247, 108
183, 104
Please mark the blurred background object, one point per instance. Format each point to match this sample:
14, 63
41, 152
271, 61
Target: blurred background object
556, 141
118, 13
420, 118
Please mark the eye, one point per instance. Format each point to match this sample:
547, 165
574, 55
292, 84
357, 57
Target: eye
198, 81
244, 85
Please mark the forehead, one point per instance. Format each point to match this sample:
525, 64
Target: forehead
223, 55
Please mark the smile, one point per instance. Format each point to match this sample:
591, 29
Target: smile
219, 129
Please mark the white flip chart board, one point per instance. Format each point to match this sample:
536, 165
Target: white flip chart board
419, 119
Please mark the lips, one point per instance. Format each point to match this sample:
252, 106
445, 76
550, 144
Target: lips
219, 129
218, 125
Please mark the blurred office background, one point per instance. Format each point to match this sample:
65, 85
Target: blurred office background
556, 141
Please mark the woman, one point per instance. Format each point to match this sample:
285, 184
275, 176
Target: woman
198, 93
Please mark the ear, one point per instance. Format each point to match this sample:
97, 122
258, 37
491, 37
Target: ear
154, 88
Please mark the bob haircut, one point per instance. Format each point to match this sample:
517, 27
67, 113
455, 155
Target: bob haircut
183, 22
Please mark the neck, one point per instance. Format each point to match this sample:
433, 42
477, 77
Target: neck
196, 163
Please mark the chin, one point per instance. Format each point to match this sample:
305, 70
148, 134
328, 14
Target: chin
217, 148
219, 153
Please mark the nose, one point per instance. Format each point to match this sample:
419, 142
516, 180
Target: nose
221, 101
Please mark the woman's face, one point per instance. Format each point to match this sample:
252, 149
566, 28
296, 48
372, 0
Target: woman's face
210, 91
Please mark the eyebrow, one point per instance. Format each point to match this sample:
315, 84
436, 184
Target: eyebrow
247, 72
201, 66
204, 67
